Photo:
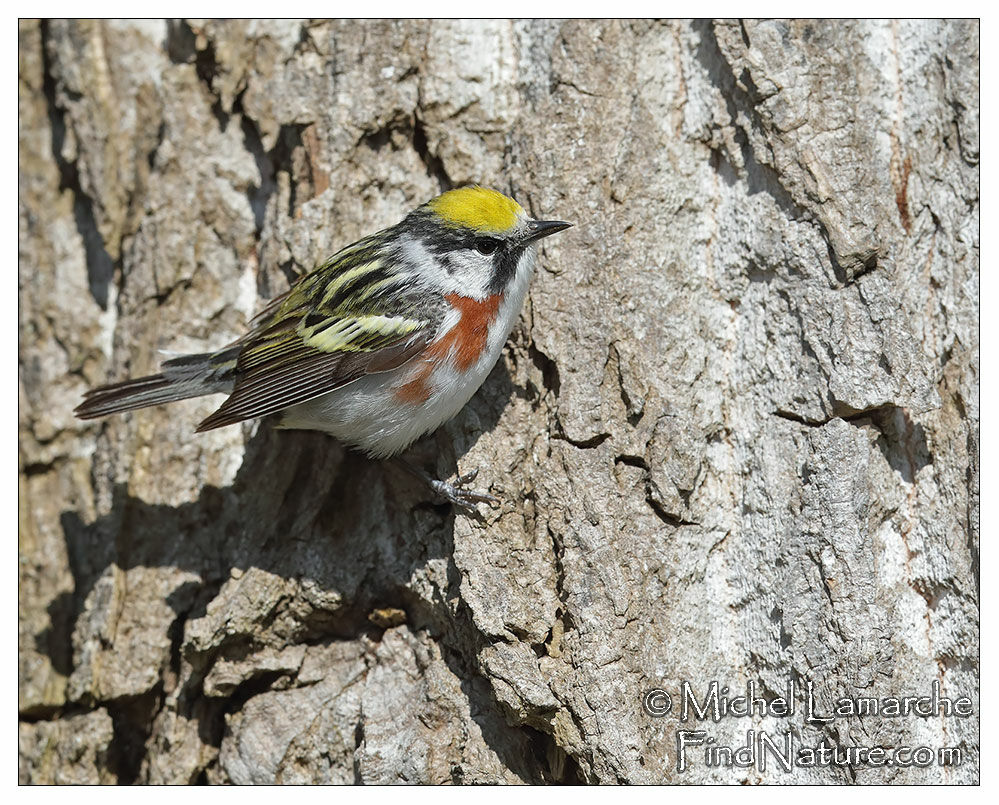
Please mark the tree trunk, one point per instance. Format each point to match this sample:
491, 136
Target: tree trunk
735, 432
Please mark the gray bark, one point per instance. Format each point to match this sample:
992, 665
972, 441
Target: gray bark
735, 432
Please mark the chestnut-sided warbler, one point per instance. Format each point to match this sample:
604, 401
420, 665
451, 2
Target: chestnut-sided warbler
380, 344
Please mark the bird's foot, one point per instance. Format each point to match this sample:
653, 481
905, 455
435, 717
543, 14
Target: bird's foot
455, 494
465, 499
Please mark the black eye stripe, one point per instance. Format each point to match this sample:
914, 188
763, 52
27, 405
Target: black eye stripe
504, 267
448, 246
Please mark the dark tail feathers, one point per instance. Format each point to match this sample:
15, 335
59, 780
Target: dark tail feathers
182, 378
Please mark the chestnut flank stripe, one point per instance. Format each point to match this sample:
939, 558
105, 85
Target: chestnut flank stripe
466, 342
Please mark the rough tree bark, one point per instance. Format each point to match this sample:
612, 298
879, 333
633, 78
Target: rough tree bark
735, 432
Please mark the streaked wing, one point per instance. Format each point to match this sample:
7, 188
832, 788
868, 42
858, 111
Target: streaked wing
335, 325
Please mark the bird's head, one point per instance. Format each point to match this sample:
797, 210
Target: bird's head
474, 241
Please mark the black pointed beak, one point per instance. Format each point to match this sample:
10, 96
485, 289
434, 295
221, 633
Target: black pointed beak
542, 229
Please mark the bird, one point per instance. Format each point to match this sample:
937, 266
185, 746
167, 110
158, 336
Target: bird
378, 345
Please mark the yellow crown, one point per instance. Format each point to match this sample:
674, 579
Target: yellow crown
478, 208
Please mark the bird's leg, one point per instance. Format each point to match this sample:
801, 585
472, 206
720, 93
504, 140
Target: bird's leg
464, 499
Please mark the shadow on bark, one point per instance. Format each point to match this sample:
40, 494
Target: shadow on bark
344, 534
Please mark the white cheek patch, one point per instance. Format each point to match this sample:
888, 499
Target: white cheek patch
473, 272
422, 262
469, 276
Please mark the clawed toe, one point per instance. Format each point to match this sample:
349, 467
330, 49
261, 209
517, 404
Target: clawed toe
455, 494
463, 498
467, 478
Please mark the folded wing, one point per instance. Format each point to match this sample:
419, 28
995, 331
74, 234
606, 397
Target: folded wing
345, 320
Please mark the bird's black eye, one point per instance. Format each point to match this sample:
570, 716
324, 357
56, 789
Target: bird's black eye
486, 245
